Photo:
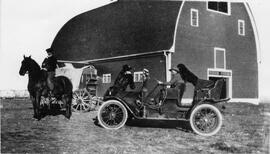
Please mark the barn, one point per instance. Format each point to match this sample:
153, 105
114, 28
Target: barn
214, 39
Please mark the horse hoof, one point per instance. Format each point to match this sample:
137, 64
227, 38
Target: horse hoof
68, 116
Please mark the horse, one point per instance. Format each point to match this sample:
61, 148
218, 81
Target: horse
37, 86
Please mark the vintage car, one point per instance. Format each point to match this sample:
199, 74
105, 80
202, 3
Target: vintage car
203, 115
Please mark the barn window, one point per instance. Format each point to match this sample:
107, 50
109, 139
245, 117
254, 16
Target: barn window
219, 7
138, 76
106, 78
220, 58
241, 27
194, 17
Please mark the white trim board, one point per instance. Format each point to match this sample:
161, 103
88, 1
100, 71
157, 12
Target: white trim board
258, 45
230, 90
176, 26
239, 23
111, 58
168, 59
215, 57
196, 11
255, 101
245, 100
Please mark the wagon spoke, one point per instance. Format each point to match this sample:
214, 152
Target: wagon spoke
83, 93
87, 104
81, 107
87, 100
85, 107
87, 97
77, 95
77, 106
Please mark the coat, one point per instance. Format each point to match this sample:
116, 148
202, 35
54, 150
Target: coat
49, 64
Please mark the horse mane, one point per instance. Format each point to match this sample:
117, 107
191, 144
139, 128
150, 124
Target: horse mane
37, 72
34, 64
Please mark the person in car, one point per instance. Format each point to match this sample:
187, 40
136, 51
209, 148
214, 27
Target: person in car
176, 79
122, 81
175, 82
145, 79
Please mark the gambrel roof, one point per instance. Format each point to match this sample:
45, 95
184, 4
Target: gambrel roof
117, 29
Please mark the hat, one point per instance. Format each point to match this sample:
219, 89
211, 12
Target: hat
174, 69
145, 70
49, 50
126, 67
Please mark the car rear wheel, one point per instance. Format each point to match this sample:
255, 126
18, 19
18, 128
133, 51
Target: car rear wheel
205, 120
112, 114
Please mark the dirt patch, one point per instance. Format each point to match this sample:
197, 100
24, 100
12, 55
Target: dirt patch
245, 130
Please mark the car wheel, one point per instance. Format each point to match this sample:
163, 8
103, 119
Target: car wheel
112, 114
205, 120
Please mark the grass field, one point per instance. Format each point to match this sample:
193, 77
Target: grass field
245, 130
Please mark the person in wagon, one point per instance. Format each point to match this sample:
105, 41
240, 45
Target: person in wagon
49, 65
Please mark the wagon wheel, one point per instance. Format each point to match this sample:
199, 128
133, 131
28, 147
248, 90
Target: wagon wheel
81, 101
96, 102
112, 115
205, 120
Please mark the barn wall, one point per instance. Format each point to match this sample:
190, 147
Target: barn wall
154, 63
195, 46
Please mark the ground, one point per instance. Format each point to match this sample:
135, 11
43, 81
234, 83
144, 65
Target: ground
245, 130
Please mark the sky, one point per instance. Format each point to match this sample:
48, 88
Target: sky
29, 27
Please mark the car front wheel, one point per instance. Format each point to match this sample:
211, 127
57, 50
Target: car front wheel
112, 114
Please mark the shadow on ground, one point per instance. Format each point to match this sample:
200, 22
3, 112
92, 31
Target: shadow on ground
155, 123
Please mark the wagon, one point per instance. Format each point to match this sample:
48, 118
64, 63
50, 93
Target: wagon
84, 81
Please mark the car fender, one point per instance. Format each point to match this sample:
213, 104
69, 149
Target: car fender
123, 102
208, 101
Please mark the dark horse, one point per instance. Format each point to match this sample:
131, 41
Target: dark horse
37, 86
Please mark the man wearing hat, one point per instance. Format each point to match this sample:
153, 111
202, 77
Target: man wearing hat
176, 78
175, 82
145, 78
49, 64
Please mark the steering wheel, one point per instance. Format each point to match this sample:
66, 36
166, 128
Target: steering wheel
162, 83
159, 82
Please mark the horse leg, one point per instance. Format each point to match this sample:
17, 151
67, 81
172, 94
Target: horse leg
67, 101
33, 100
69, 104
38, 109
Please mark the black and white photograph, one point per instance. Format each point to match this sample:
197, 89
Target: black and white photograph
135, 76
